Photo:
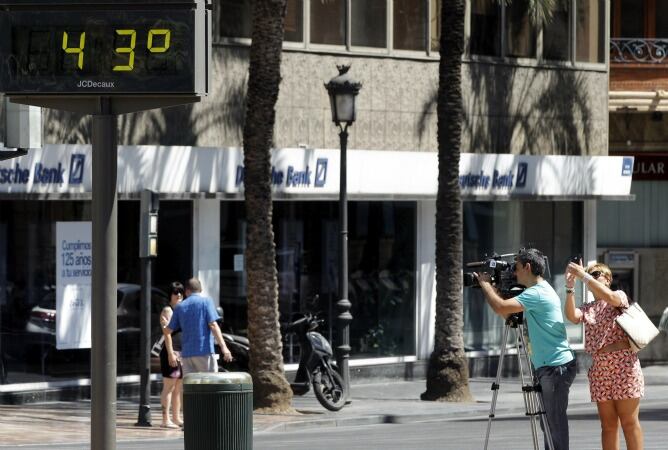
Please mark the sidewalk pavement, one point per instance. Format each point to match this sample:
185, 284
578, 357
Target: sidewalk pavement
374, 402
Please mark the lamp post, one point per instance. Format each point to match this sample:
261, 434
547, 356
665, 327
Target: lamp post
342, 91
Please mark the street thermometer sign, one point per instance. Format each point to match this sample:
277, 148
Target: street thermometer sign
106, 58
104, 48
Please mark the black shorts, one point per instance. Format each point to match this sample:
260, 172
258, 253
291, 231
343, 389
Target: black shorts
166, 370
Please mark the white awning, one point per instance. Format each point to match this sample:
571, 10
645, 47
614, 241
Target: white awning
64, 171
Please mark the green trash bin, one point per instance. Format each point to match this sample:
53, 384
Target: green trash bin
218, 411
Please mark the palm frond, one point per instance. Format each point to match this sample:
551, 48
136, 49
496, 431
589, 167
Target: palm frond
540, 11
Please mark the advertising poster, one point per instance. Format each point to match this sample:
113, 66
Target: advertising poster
74, 265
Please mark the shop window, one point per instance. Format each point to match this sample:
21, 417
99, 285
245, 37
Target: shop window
28, 284
590, 31
520, 33
409, 25
555, 228
235, 19
382, 278
556, 42
485, 27
294, 21
369, 23
328, 22
381, 253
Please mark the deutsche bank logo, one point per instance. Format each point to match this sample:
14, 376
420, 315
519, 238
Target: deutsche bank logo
77, 168
320, 172
522, 169
627, 167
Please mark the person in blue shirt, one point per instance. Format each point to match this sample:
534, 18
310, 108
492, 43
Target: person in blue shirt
551, 356
196, 318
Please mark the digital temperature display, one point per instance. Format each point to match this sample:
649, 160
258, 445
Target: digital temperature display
98, 51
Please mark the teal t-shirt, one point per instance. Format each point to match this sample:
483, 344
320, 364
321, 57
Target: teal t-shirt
547, 332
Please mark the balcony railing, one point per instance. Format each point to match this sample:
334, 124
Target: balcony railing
636, 50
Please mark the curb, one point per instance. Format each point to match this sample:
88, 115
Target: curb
380, 419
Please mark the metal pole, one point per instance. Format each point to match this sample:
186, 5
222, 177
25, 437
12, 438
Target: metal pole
105, 231
144, 418
343, 304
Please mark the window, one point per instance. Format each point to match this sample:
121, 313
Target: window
520, 33
328, 22
294, 21
435, 24
555, 33
381, 271
369, 23
590, 31
555, 228
485, 32
409, 24
497, 28
235, 19
632, 18
661, 15
28, 309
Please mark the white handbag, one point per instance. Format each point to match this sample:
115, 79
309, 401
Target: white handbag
637, 326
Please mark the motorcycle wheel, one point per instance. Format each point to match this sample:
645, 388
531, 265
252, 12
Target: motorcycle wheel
328, 389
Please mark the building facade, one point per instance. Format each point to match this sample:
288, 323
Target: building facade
535, 164
636, 248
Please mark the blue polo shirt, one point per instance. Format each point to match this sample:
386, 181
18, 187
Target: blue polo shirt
545, 320
192, 316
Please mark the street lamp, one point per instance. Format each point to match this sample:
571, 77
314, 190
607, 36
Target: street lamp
342, 91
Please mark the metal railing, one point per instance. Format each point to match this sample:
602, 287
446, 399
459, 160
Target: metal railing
638, 50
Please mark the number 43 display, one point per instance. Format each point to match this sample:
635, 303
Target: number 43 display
104, 48
128, 50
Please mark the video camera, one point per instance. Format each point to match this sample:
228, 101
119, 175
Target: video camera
501, 271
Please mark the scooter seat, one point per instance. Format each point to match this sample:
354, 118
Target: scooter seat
234, 338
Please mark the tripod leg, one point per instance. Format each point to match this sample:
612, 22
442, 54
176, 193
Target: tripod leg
496, 384
534, 398
527, 389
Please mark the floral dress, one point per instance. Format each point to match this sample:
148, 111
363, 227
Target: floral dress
613, 375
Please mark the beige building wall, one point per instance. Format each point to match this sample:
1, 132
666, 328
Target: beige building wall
508, 109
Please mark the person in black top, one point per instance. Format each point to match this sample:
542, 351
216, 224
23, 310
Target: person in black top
172, 377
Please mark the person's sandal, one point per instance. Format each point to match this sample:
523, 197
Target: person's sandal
170, 425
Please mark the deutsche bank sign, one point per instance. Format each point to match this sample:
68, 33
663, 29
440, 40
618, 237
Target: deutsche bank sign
292, 176
45, 174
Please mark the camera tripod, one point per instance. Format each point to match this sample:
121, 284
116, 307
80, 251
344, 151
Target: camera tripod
531, 390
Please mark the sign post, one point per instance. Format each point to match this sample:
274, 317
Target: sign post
148, 249
104, 59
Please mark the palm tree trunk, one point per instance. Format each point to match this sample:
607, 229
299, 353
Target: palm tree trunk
270, 388
447, 373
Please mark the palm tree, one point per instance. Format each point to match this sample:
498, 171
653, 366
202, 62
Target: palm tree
271, 390
447, 372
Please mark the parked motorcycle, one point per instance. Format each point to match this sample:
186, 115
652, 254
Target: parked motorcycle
315, 364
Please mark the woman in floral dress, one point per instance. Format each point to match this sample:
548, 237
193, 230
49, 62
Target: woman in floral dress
615, 379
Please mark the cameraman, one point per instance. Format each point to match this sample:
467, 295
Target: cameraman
552, 358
